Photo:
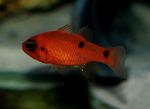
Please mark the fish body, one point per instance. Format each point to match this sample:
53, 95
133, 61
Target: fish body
62, 48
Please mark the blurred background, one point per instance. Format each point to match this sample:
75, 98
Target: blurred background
28, 84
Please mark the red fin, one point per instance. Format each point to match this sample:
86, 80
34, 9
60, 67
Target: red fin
59, 67
64, 68
115, 60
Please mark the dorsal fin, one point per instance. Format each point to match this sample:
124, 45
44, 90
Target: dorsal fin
67, 28
86, 32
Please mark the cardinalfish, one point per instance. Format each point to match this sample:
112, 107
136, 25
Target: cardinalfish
61, 47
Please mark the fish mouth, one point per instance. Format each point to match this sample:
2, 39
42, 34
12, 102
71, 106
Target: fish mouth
30, 45
23, 47
30, 53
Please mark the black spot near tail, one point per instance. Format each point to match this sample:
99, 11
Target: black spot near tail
106, 53
81, 44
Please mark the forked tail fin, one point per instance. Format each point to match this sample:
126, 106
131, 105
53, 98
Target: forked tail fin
115, 58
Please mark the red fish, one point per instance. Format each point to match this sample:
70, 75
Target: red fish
60, 47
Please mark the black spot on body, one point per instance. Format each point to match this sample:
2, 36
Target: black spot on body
81, 44
106, 53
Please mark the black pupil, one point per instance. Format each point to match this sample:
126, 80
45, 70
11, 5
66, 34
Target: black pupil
81, 44
30, 45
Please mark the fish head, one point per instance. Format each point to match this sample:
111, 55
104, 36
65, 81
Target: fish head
35, 47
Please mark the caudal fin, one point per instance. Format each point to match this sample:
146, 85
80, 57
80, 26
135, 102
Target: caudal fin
115, 58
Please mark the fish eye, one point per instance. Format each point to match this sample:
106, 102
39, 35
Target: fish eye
81, 44
42, 48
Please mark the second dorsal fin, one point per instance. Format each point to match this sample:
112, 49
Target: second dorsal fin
86, 32
67, 28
